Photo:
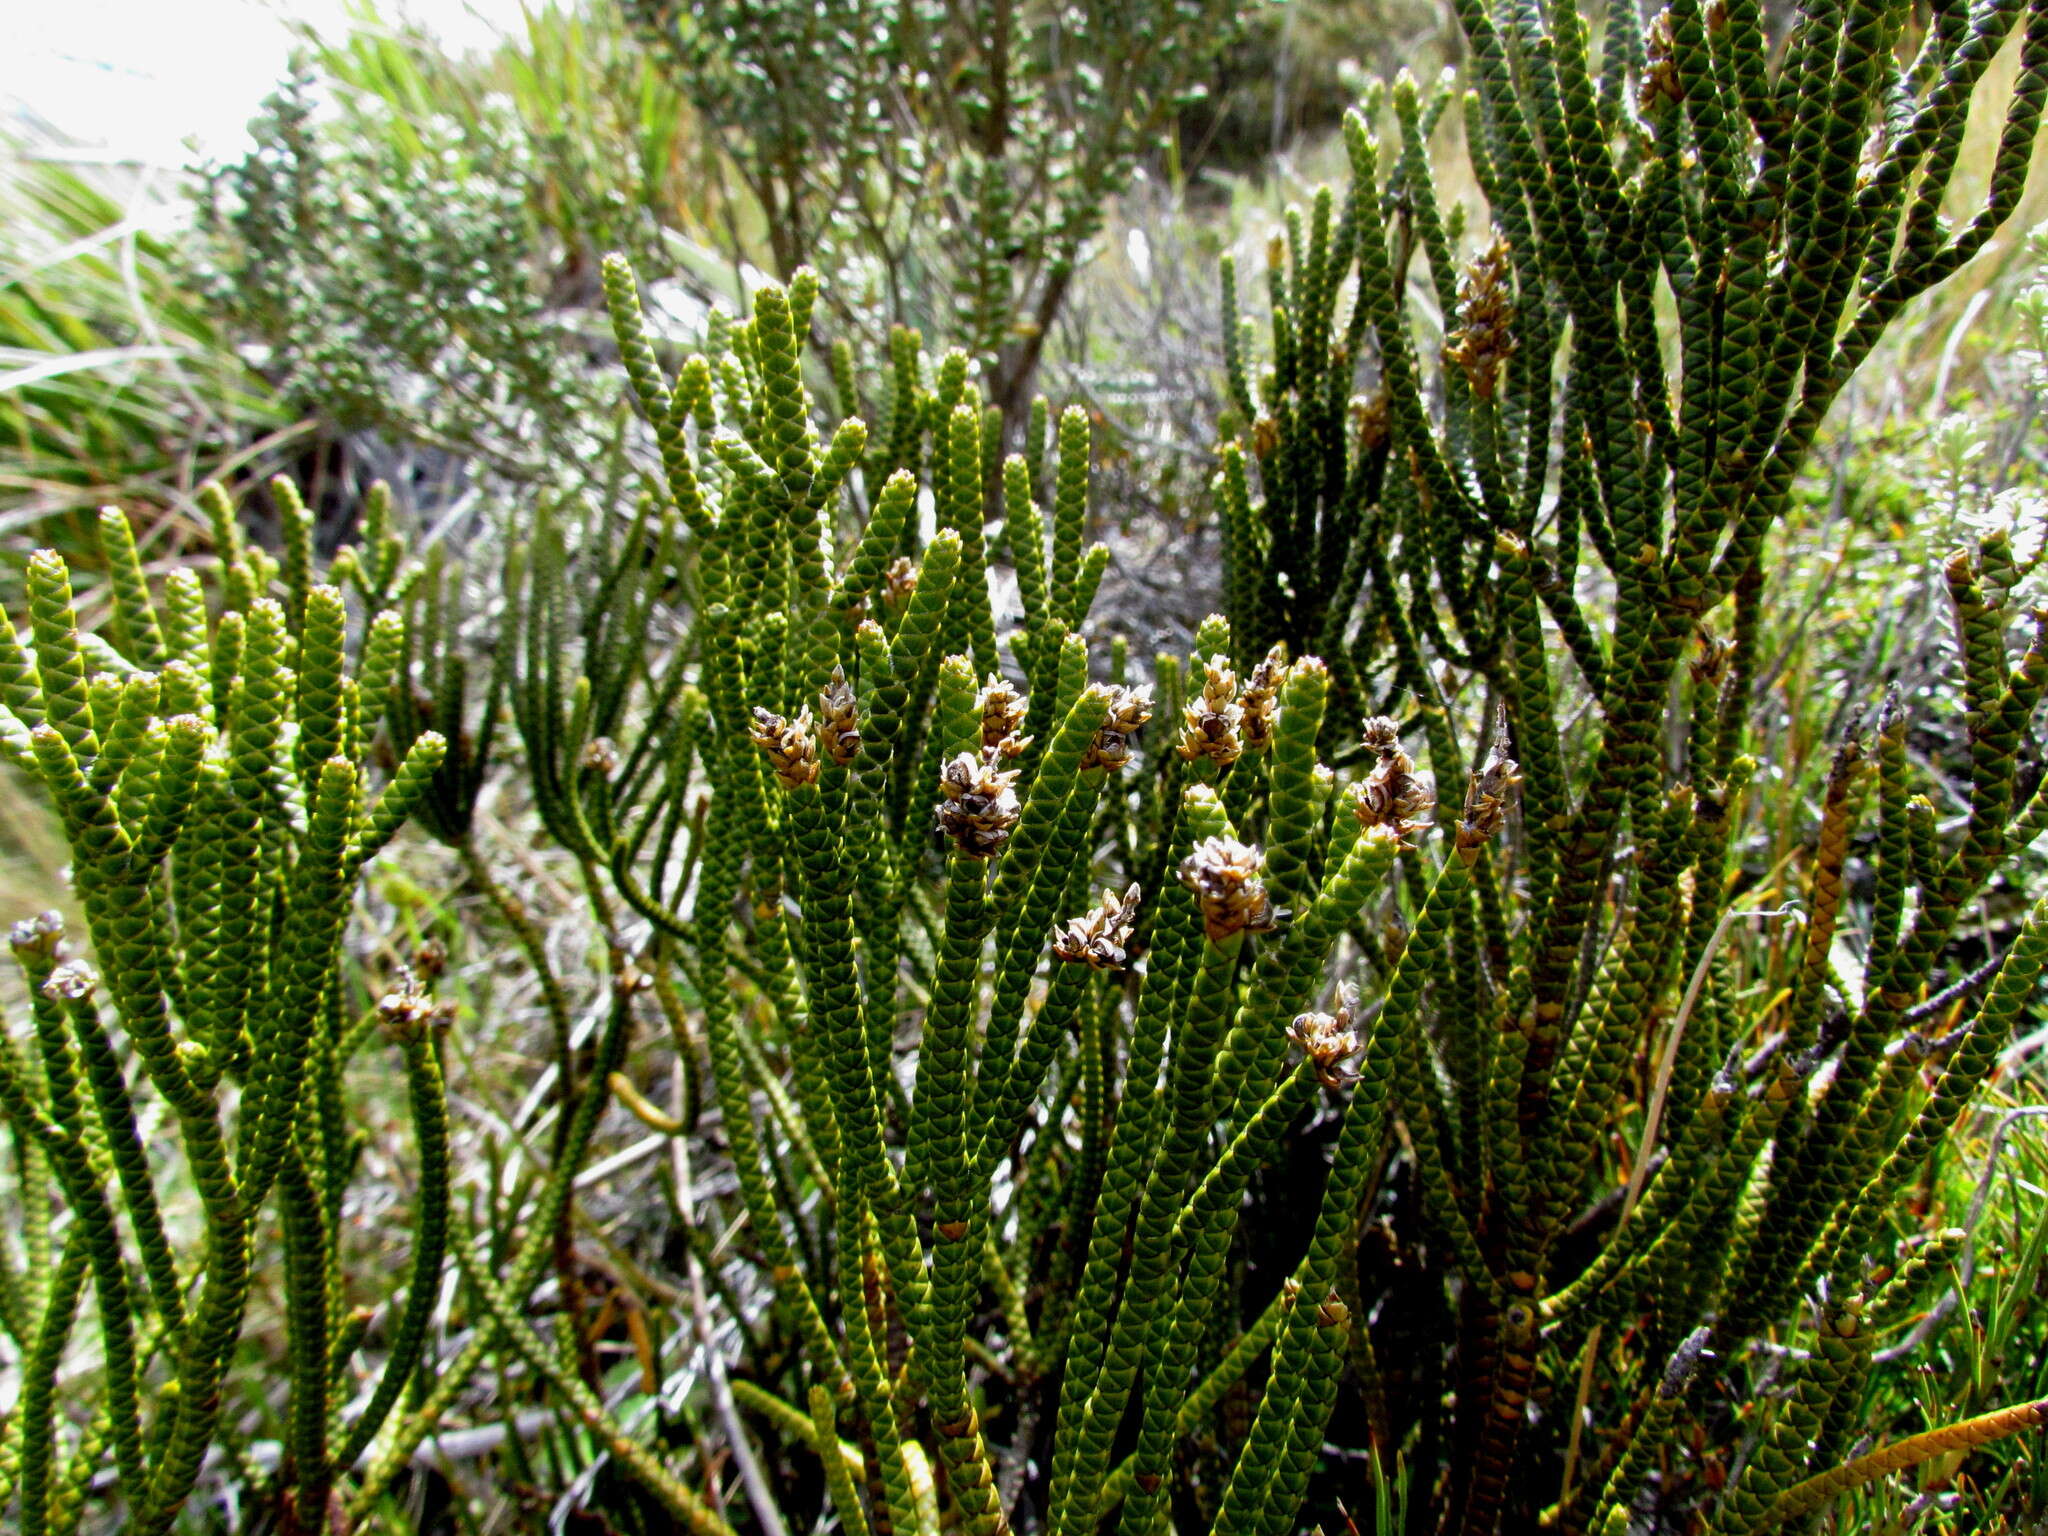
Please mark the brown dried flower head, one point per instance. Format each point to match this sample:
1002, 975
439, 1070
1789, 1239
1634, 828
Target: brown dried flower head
1660, 76
1224, 875
1260, 701
839, 720
73, 981
1265, 437
601, 756
1100, 940
1394, 797
406, 1010
1711, 664
1002, 715
429, 958
1328, 1039
899, 583
1126, 711
1486, 797
41, 935
1371, 419
1484, 340
980, 807
1209, 728
791, 746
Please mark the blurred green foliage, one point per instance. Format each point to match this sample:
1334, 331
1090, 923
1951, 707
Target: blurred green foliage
118, 382
944, 165
399, 280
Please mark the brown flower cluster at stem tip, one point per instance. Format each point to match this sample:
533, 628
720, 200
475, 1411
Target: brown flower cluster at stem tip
407, 1011
1660, 79
899, 584
1209, 728
1002, 717
1371, 419
1127, 710
1483, 343
980, 809
71, 982
1100, 939
1260, 699
42, 934
1394, 797
791, 746
429, 959
839, 720
1486, 797
1328, 1039
1711, 664
1224, 875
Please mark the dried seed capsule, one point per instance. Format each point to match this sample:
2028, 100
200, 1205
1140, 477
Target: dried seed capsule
1127, 711
601, 755
406, 1011
1328, 1039
1660, 78
899, 584
1002, 716
1210, 723
1372, 419
1711, 665
1486, 798
839, 720
1101, 939
1483, 343
791, 745
72, 981
1394, 796
430, 958
1224, 875
38, 935
980, 809
1260, 699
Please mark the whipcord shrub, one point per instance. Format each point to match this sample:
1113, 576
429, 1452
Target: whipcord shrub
211, 772
1009, 1024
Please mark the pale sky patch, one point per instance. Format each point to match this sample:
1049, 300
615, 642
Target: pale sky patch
140, 78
